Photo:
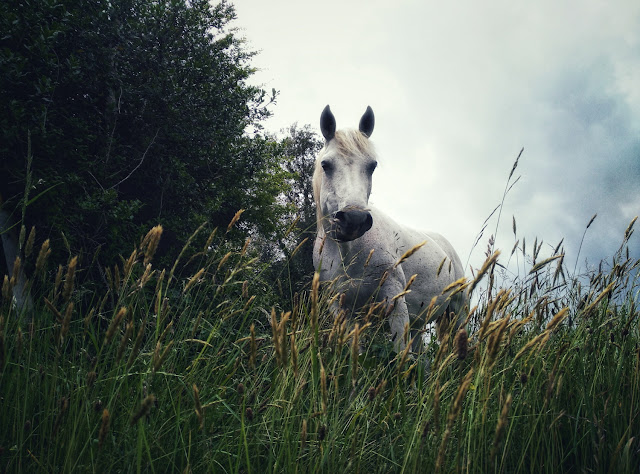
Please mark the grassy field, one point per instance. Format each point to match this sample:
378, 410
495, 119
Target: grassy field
192, 369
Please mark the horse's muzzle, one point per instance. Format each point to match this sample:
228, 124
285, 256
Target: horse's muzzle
351, 224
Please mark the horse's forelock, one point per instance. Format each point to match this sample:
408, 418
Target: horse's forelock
353, 143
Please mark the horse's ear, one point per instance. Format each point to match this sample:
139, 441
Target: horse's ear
328, 124
367, 122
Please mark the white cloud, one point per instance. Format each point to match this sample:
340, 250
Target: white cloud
458, 88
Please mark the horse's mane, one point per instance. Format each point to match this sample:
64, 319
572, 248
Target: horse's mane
349, 143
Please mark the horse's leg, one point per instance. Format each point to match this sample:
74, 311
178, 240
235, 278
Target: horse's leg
399, 324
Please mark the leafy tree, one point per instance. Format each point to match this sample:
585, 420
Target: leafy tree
299, 148
136, 113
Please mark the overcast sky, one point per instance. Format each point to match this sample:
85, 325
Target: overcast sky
458, 88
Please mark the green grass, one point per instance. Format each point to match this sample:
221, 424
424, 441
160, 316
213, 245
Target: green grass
196, 374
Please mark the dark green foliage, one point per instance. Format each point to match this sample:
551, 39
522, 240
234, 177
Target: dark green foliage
137, 114
298, 150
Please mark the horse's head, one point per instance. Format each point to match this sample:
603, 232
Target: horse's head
342, 178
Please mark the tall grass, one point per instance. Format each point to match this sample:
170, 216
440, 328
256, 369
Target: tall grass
192, 369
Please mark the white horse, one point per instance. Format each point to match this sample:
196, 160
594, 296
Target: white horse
358, 247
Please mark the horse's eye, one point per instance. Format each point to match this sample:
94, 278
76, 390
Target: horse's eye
327, 166
371, 167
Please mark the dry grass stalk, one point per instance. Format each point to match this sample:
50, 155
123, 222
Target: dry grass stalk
66, 321
193, 280
104, 427
298, 247
540, 339
409, 253
198, 406
30, 240
538, 266
125, 339
17, 265
224, 260
234, 219
128, 265
184, 249
7, 289
323, 386
599, 298
500, 427
488, 264
495, 339
629, 230
145, 276
440, 266
282, 335
116, 279
165, 331
294, 354
23, 233
461, 342
57, 281
159, 358
248, 303
315, 286
144, 409
150, 243
322, 244
442, 350
557, 319
158, 292
559, 270
407, 349
437, 390
279, 335
368, 260
453, 414
196, 325
355, 352
137, 344
492, 308
53, 309
456, 286
207, 244
115, 322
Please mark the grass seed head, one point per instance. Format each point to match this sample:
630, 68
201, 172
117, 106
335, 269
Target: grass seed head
500, 427
115, 322
104, 427
30, 240
409, 253
194, 279
198, 406
17, 265
150, 243
69, 279
125, 340
462, 344
234, 219
6, 289
145, 409
66, 322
